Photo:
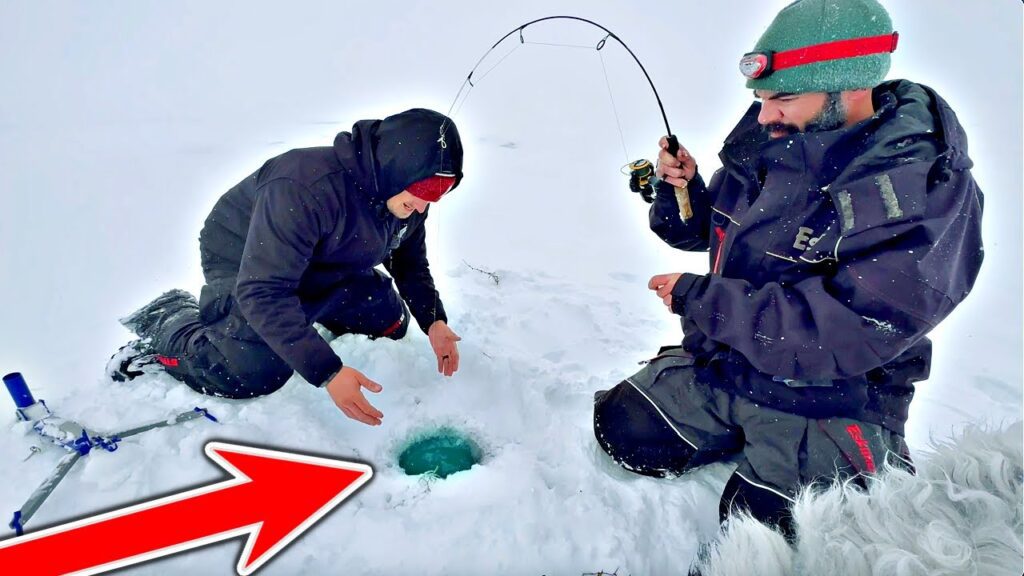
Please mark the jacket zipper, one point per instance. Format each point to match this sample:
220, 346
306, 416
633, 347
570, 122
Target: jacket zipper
716, 268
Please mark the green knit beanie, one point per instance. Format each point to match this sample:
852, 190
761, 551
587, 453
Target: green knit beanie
807, 23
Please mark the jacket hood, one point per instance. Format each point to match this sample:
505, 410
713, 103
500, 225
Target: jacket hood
384, 157
911, 123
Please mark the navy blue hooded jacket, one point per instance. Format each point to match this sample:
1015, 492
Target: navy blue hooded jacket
312, 217
832, 255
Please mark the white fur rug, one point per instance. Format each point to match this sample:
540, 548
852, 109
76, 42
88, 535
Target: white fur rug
961, 514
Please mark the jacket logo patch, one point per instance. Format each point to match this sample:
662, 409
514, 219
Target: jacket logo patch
804, 239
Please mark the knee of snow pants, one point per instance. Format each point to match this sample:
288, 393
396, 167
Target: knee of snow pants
640, 437
786, 453
365, 304
231, 367
226, 357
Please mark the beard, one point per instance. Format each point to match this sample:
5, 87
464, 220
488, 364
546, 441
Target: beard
831, 117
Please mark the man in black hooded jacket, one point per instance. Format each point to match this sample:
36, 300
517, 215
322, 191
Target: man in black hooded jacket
843, 226
297, 243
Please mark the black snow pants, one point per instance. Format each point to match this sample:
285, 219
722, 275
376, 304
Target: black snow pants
667, 420
223, 356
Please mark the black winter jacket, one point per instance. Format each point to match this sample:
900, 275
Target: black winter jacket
832, 255
309, 218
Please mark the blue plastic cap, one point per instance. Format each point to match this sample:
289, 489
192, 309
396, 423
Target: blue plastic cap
16, 524
18, 388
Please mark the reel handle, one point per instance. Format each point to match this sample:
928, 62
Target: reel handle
682, 194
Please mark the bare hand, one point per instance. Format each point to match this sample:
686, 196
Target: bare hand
663, 284
677, 171
443, 341
344, 389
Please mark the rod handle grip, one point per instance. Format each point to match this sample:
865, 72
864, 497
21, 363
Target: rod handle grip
682, 194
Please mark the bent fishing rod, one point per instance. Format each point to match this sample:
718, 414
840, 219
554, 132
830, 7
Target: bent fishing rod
641, 171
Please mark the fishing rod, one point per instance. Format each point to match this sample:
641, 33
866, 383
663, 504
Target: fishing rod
641, 171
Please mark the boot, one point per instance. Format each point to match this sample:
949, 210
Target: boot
166, 322
133, 360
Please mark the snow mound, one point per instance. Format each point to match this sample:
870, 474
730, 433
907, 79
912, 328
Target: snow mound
529, 369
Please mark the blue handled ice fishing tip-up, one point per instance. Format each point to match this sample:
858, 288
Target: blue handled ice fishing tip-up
71, 436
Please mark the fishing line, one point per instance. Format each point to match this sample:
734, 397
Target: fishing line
615, 110
560, 45
641, 171
599, 46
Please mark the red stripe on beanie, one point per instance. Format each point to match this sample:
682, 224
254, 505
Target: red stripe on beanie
431, 189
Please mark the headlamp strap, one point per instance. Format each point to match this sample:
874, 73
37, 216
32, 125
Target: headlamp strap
837, 50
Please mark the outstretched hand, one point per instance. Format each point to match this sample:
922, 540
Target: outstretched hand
443, 341
345, 390
662, 284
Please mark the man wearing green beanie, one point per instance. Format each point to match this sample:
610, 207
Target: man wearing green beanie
843, 225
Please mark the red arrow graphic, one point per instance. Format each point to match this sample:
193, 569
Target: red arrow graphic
274, 497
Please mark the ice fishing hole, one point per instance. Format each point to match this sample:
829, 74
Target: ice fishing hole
439, 453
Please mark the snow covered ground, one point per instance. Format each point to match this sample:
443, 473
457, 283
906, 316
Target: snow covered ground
122, 122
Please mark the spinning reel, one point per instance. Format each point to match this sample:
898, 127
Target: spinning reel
642, 180
640, 174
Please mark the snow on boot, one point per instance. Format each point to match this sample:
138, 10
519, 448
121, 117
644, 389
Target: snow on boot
133, 360
166, 321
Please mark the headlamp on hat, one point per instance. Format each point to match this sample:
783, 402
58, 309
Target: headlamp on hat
822, 46
762, 63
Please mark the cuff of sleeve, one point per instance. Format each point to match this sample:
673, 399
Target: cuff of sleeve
697, 183
427, 319
688, 287
319, 373
664, 193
